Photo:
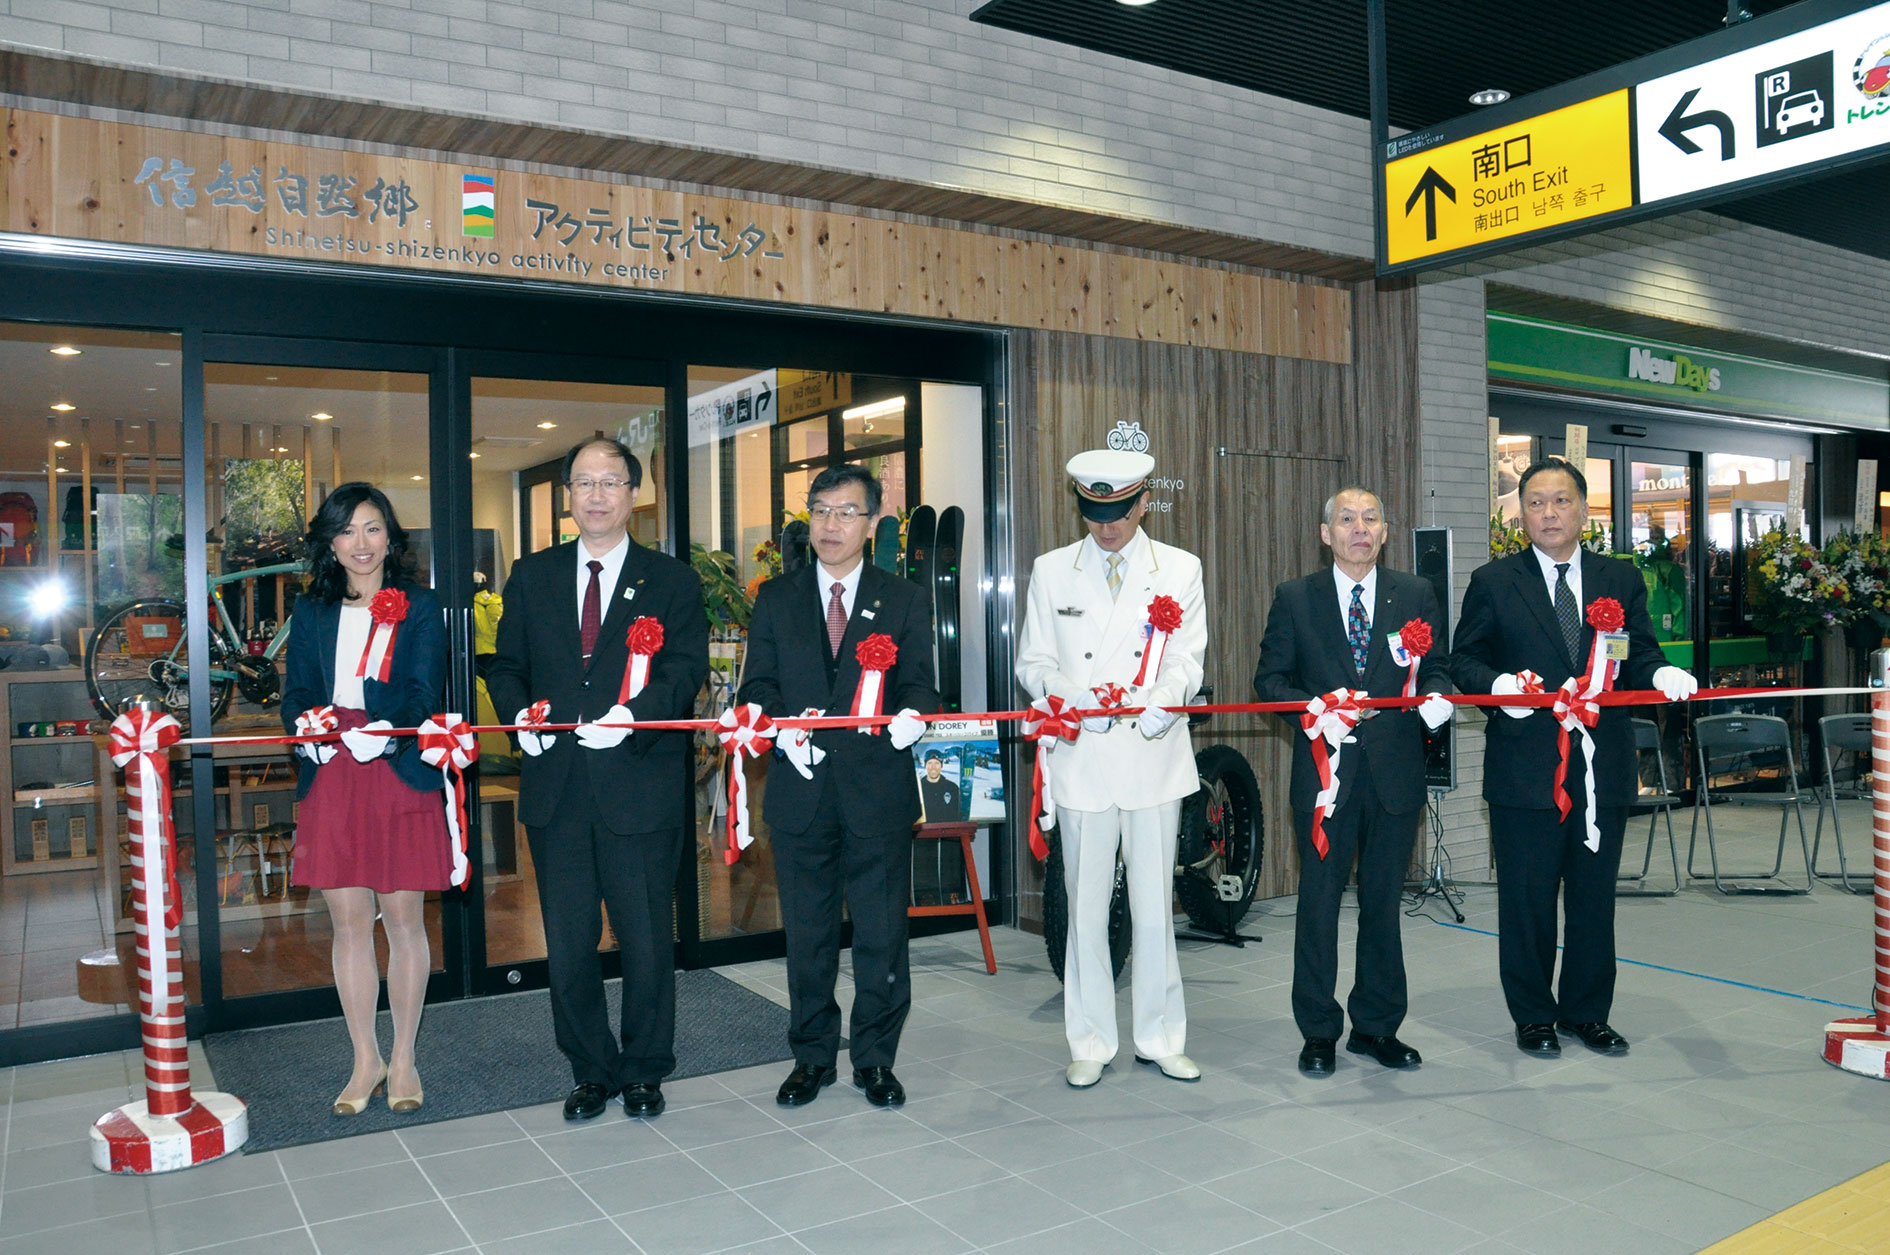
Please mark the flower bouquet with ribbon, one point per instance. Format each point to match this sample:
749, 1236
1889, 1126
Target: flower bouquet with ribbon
388, 609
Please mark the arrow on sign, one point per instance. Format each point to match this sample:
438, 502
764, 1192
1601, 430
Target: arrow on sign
1428, 187
1679, 122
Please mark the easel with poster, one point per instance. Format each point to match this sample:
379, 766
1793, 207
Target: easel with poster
959, 777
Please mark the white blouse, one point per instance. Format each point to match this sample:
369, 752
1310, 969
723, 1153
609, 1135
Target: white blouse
352, 637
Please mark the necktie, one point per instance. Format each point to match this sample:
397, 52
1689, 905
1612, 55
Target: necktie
836, 619
1567, 614
593, 611
1358, 629
1115, 575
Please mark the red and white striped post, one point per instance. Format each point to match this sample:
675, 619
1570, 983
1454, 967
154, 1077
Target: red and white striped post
1862, 1045
169, 1129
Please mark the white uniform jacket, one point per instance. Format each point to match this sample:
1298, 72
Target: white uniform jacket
1076, 638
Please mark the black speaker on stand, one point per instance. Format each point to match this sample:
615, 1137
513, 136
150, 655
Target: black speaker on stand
1433, 561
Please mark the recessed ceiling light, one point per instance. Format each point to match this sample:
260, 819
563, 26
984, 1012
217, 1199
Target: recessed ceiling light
1489, 96
473, 454
150, 389
64, 350
321, 416
416, 478
272, 378
65, 407
1135, 4
546, 426
131, 427
62, 444
280, 449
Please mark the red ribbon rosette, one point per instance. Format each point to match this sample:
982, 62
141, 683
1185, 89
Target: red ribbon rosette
645, 639
1164, 617
876, 656
388, 609
1605, 615
1415, 637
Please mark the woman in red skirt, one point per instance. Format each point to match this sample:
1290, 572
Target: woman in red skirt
368, 653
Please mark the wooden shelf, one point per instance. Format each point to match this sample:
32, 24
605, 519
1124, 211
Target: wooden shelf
18, 742
55, 797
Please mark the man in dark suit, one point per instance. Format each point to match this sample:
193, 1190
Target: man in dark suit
607, 812
843, 816
1342, 627
1528, 613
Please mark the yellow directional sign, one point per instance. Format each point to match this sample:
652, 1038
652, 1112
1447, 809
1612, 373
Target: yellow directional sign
1541, 172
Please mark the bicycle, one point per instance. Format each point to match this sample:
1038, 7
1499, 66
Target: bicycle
140, 653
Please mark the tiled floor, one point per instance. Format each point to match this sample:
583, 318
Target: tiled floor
1722, 1115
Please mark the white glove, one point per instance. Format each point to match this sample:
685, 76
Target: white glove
1435, 711
593, 737
1507, 685
1100, 698
1674, 684
797, 746
1153, 721
905, 728
364, 744
309, 723
538, 714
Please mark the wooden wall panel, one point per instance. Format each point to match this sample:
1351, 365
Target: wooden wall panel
1293, 431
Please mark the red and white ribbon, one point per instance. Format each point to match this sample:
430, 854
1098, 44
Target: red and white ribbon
388, 609
448, 742
876, 656
1050, 719
1164, 617
645, 639
140, 743
745, 732
1337, 712
1414, 638
1577, 711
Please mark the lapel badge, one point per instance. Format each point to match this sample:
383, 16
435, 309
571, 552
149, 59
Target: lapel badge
630, 594
1074, 612
867, 614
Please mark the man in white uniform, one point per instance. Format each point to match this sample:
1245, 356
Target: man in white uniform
1096, 619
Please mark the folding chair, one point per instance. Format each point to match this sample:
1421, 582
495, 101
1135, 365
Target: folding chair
1847, 734
1658, 806
1740, 745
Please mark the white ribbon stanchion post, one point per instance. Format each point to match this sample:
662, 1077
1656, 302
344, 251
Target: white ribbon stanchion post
1862, 1045
169, 1128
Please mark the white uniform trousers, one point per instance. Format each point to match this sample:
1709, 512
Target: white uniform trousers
1147, 839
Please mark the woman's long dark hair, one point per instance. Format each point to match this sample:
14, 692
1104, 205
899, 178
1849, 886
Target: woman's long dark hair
328, 580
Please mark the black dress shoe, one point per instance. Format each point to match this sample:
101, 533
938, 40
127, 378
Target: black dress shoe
1538, 1039
1316, 1057
804, 1084
1597, 1036
640, 1099
1386, 1048
586, 1100
882, 1087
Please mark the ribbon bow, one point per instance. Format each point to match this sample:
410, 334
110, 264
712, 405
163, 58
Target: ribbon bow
388, 609
147, 736
745, 732
1329, 719
1051, 719
1414, 638
447, 742
1576, 710
645, 639
876, 656
1164, 618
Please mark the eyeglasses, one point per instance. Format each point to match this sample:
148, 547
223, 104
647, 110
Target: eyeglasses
609, 484
845, 513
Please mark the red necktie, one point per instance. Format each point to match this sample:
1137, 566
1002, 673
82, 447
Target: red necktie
836, 620
593, 611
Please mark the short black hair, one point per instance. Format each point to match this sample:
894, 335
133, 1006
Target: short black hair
328, 582
842, 474
633, 468
1552, 464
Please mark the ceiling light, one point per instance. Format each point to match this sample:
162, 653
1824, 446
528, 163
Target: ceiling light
473, 454
65, 407
280, 449
150, 389
62, 444
878, 409
546, 426
1489, 96
321, 416
416, 478
64, 350
1135, 4
161, 363
272, 378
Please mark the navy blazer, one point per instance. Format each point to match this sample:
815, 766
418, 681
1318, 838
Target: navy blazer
1306, 653
790, 669
1509, 625
643, 784
413, 691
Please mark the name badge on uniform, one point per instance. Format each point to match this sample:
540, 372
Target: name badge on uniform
1616, 645
1399, 654
1073, 612
866, 614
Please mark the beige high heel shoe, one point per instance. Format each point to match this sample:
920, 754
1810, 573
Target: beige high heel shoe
346, 1106
406, 1102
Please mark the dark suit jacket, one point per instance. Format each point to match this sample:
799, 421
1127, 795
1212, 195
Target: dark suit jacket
1509, 625
790, 669
641, 785
1305, 653
413, 691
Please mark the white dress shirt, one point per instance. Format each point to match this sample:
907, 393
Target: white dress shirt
1096, 559
1549, 575
849, 586
351, 637
1346, 584
606, 578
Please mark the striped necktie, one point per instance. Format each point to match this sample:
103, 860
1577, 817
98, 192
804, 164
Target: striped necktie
1115, 575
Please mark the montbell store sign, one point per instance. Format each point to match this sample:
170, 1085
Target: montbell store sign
1548, 354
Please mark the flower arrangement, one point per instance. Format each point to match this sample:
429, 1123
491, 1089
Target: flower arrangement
767, 556
1862, 561
1506, 537
1792, 590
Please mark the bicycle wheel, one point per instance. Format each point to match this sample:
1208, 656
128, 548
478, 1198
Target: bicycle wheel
137, 654
1056, 913
1223, 835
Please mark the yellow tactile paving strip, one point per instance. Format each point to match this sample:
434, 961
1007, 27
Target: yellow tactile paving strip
1854, 1216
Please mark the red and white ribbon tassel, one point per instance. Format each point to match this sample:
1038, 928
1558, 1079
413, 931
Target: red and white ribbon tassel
388, 609
645, 639
1051, 719
1338, 711
447, 742
140, 743
1164, 617
745, 732
1414, 638
876, 655
1576, 711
